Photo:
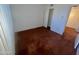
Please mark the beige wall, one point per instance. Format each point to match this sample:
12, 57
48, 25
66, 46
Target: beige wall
73, 20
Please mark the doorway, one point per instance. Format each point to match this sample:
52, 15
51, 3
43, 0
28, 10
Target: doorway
72, 26
73, 20
50, 18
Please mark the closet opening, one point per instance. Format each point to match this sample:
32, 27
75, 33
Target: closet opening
50, 18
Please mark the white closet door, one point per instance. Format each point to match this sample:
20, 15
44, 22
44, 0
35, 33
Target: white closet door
3, 38
2, 49
60, 17
3, 44
7, 25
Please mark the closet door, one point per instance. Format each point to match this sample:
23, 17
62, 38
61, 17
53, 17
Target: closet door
3, 45
2, 49
60, 17
7, 27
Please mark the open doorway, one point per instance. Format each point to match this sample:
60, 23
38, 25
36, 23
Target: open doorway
72, 26
73, 20
49, 18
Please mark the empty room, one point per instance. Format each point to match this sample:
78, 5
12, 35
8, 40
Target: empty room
39, 29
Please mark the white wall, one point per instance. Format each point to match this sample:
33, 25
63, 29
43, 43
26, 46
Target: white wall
27, 16
73, 20
60, 17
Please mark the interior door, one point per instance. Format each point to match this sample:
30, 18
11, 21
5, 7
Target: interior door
60, 17
3, 42
7, 27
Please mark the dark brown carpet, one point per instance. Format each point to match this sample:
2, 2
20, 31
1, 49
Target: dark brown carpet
40, 41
